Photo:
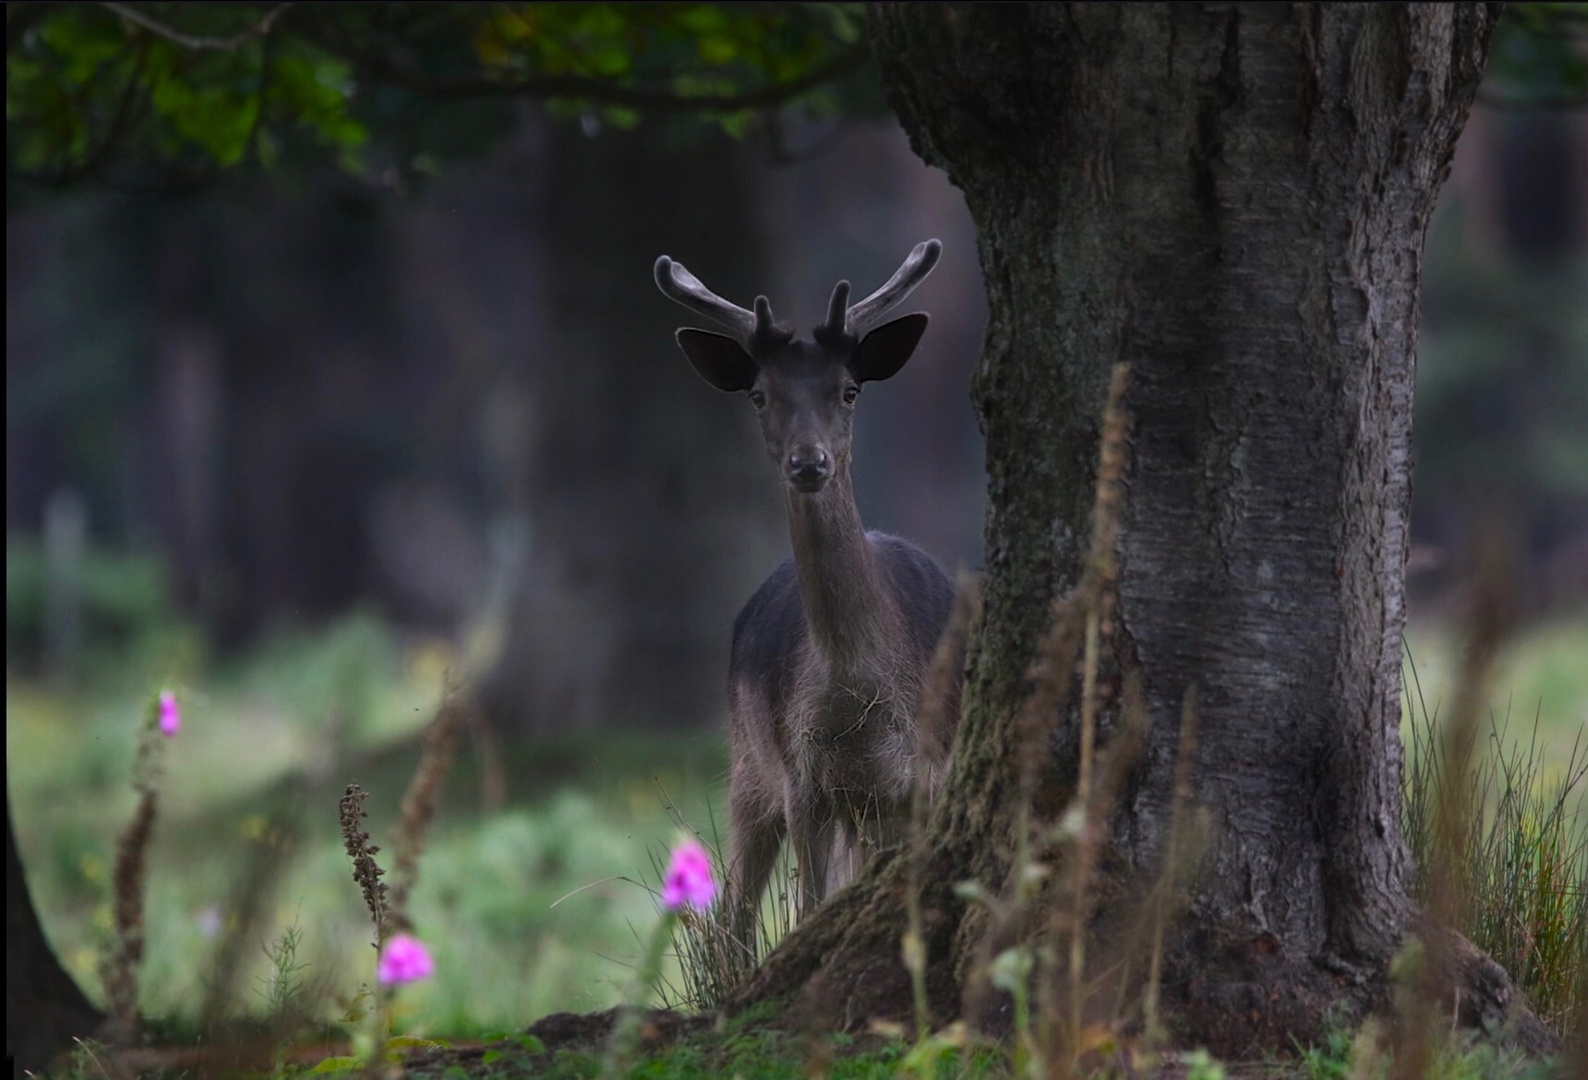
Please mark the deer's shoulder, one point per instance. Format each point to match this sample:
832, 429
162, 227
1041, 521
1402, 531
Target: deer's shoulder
919, 586
769, 631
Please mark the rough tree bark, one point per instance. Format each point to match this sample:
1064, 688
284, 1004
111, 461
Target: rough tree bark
1232, 198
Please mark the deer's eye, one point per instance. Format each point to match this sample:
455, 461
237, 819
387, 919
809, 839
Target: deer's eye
758, 399
850, 393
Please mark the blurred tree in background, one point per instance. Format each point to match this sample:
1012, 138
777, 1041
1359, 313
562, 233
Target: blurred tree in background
1503, 374
1503, 371
328, 371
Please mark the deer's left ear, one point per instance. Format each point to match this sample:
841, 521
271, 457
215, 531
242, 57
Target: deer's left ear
884, 351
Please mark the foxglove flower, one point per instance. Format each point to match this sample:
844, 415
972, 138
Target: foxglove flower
688, 881
170, 715
404, 960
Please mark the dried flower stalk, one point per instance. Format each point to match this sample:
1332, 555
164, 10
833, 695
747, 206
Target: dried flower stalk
931, 745
119, 970
418, 807
366, 871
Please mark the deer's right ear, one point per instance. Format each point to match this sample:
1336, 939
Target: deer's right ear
720, 359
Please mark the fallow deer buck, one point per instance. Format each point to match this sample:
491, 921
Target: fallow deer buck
830, 655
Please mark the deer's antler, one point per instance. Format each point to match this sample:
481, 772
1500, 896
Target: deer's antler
851, 323
752, 329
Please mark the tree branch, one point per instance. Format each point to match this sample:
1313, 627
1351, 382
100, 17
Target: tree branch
600, 91
375, 65
266, 55
191, 41
96, 154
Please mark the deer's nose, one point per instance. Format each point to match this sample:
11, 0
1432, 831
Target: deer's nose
808, 467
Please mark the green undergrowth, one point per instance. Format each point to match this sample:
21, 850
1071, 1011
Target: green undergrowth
751, 1054
1519, 864
748, 1053
775, 1055
539, 904
532, 906
1344, 1054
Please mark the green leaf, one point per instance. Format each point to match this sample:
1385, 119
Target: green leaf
717, 49
738, 123
702, 19
1010, 969
1200, 1065
80, 67
268, 149
413, 1042
608, 58
973, 891
1537, 56
622, 118
337, 1065
845, 23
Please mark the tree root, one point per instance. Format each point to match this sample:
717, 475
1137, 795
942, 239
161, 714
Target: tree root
841, 969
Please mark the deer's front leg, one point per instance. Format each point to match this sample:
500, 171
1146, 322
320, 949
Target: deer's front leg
847, 858
812, 837
756, 834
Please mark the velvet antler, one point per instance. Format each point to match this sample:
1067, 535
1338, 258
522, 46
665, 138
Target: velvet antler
753, 330
851, 323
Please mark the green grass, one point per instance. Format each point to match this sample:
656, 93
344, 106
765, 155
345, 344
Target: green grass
1521, 861
270, 740
1360, 1055
1521, 858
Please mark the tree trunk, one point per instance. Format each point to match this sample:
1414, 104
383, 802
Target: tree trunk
650, 506
44, 1007
1231, 198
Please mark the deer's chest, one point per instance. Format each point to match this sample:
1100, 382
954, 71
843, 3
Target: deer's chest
850, 733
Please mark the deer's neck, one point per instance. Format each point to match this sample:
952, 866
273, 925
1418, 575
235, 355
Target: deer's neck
840, 581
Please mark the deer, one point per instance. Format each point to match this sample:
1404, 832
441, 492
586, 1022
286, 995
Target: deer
830, 655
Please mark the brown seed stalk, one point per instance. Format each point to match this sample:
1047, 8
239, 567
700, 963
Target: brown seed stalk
366, 871
418, 807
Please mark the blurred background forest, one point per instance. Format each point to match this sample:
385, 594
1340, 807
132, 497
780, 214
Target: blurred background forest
299, 448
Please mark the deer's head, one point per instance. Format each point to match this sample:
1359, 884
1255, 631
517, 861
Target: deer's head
803, 391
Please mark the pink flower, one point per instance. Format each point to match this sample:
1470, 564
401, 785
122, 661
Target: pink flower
688, 880
170, 715
404, 960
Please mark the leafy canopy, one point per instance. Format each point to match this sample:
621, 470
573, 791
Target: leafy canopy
173, 94
1539, 57
159, 93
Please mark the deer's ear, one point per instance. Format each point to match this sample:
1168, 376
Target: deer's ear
719, 359
883, 352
